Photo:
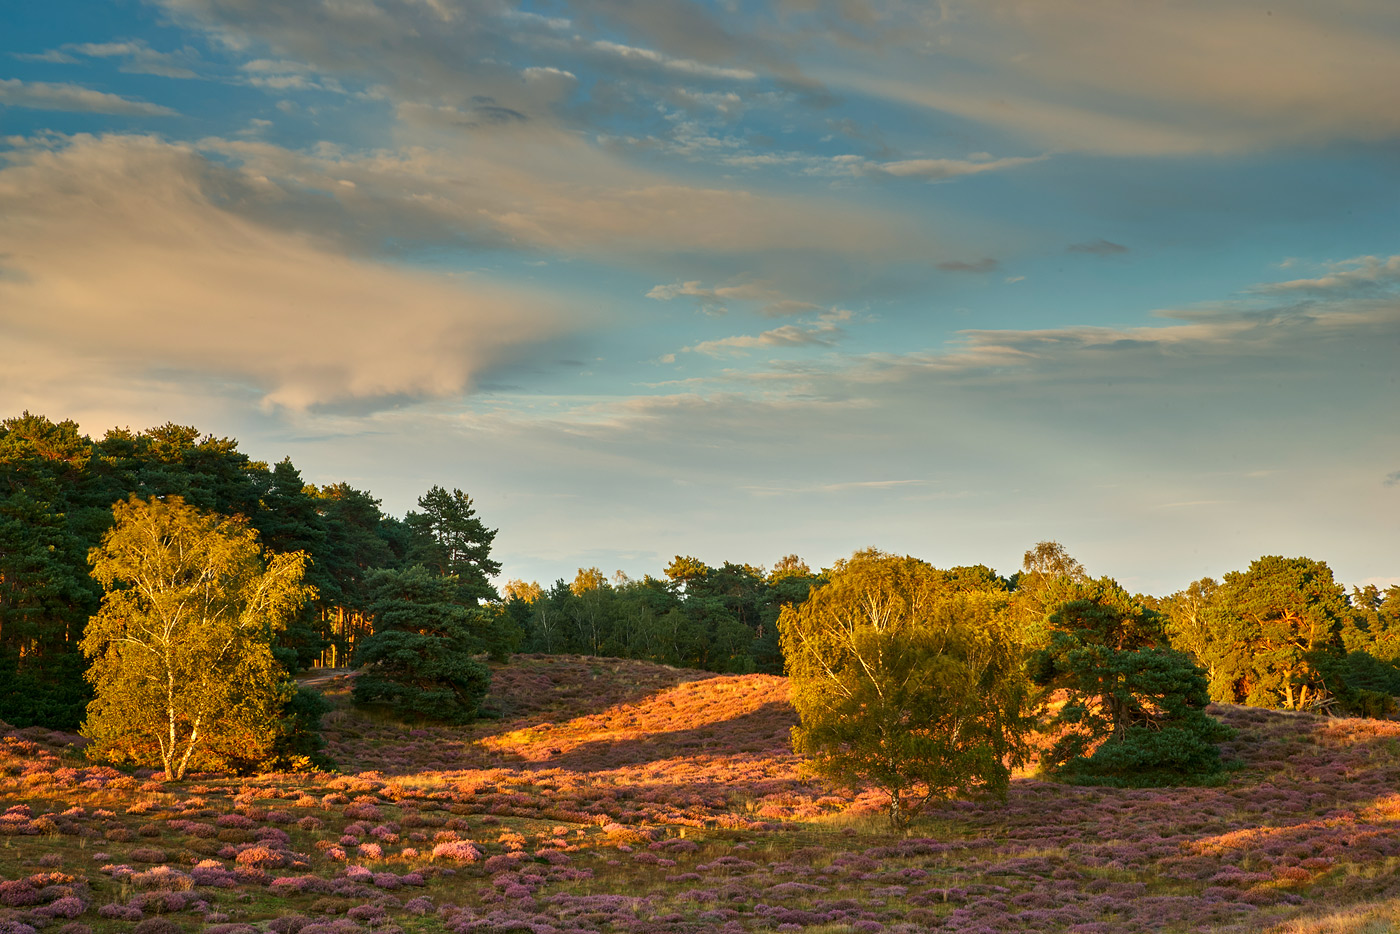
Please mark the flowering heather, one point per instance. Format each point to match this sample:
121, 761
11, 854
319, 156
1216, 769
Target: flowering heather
459, 850
677, 806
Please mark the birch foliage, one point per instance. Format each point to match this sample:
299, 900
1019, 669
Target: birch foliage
180, 650
907, 678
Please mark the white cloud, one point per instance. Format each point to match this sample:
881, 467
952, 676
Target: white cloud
1361, 274
936, 170
128, 258
530, 187
684, 66
52, 56
715, 299
139, 58
1090, 76
823, 334
43, 95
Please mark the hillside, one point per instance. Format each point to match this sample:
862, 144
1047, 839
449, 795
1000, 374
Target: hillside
625, 796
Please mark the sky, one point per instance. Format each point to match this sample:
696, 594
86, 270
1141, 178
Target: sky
737, 279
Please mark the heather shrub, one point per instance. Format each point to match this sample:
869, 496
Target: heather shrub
235, 821
366, 913
162, 878
462, 851
147, 854
261, 856
158, 926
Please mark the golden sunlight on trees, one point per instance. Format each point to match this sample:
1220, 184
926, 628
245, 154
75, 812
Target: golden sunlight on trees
516, 589
181, 648
1049, 576
586, 581
905, 679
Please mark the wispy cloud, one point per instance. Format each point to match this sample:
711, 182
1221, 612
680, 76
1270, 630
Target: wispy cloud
42, 95
52, 57
1359, 275
530, 187
985, 264
139, 58
1073, 76
716, 299
684, 66
1098, 247
789, 335
937, 170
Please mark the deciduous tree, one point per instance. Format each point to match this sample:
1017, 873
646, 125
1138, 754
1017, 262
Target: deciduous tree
181, 649
905, 683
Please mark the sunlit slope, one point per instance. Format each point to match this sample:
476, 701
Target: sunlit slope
620, 796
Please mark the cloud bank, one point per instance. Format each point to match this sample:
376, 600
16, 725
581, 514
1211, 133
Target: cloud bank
125, 257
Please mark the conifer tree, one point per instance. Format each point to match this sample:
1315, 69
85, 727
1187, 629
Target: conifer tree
420, 658
1134, 710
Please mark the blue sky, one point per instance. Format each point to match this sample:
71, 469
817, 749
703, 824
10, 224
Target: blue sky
737, 280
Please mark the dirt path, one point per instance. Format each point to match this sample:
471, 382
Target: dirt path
317, 677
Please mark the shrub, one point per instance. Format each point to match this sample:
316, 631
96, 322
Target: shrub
158, 926
462, 851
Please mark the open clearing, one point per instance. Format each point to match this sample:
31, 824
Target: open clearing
623, 796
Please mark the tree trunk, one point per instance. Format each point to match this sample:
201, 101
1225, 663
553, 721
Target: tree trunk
896, 810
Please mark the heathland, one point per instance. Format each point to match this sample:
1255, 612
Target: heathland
356, 731
613, 795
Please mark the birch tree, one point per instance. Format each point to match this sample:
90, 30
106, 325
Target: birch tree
905, 682
180, 650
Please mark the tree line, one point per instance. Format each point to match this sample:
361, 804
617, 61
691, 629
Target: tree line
86, 526
58, 488
1285, 634
696, 616
408, 601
